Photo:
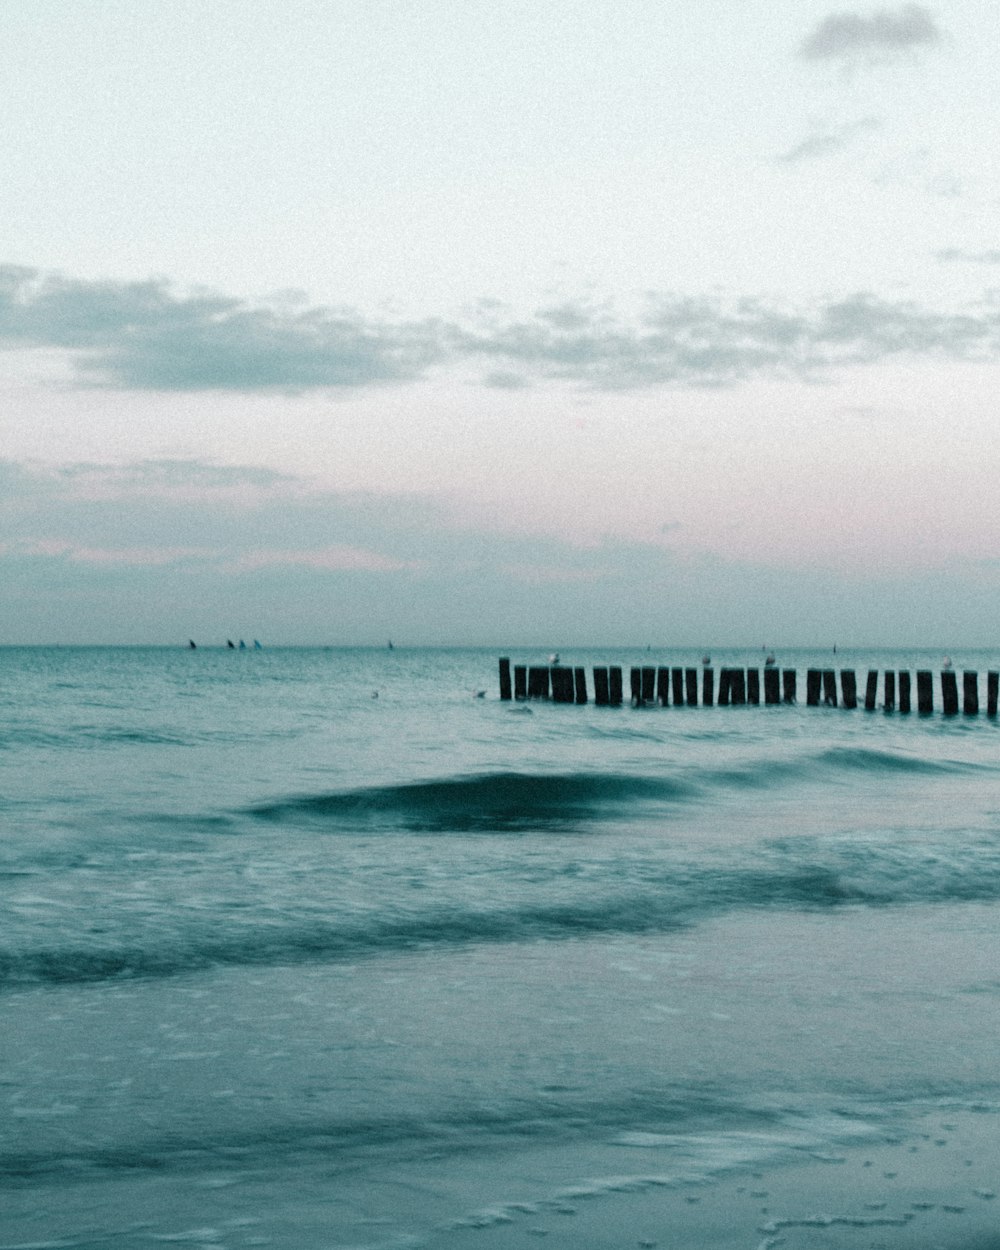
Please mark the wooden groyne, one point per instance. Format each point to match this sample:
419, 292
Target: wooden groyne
651, 686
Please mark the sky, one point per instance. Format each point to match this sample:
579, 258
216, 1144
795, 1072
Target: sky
597, 322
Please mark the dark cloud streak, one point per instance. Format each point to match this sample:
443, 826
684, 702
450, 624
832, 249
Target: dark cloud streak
142, 336
885, 33
688, 342
829, 142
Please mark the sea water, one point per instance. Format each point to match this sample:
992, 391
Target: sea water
312, 948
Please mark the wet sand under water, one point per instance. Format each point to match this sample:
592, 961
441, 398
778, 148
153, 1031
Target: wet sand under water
938, 1187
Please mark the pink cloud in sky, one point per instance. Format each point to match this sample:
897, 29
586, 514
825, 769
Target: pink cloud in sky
333, 559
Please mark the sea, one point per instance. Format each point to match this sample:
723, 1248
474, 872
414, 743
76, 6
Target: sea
318, 948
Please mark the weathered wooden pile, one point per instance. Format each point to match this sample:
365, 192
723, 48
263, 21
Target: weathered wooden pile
691, 687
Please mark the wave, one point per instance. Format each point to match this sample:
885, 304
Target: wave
829, 763
94, 737
631, 896
867, 760
681, 1121
489, 802
511, 801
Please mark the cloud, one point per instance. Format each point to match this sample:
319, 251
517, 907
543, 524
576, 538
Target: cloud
142, 336
292, 563
142, 557
680, 341
952, 255
826, 143
337, 558
342, 569
231, 520
884, 34
506, 380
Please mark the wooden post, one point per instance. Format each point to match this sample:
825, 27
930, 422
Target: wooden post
992, 686
677, 684
814, 679
753, 685
635, 682
663, 686
889, 690
772, 685
580, 682
848, 687
707, 687
949, 692
615, 683
904, 692
789, 678
738, 684
648, 685
871, 690
829, 687
725, 682
602, 693
520, 681
562, 685
925, 692
505, 692
538, 682
691, 686
970, 693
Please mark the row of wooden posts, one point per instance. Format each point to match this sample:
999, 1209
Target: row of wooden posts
679, 687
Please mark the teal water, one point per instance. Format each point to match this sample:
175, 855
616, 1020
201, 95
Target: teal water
313, 948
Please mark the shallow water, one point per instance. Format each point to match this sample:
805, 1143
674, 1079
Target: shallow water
285, 963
